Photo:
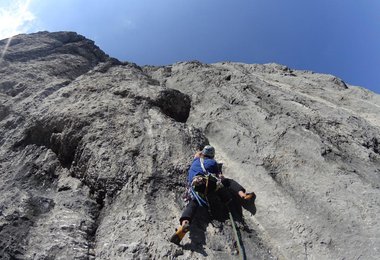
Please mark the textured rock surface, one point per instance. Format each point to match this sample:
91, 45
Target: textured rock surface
94, 154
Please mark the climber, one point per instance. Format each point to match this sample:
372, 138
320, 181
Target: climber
205, 177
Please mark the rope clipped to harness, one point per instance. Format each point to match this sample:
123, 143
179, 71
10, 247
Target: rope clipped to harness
202, 202
200, 188
202, 184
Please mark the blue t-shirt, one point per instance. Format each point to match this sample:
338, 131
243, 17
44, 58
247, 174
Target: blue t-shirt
210, 165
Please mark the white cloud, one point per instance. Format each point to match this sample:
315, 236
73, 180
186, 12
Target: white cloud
15, 18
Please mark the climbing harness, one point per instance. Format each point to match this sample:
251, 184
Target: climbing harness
202, 202
209, 181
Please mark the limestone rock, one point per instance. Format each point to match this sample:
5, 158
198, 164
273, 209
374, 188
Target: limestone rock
94, 155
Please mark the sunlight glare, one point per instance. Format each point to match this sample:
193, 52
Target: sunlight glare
15, 18
5, 48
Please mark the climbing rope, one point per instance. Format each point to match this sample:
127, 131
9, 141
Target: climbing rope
199, 199
241, 250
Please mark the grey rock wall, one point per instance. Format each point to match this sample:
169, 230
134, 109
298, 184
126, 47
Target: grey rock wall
94, 155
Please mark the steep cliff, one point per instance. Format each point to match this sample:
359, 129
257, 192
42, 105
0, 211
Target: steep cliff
94, 155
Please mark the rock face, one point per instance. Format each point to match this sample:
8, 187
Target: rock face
94, 156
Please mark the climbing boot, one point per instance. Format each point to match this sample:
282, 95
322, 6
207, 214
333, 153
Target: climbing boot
250, 197
180, 233
248, 202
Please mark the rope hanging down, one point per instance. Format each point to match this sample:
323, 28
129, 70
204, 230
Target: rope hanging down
241, 250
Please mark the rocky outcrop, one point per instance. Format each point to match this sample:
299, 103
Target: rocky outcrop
94, 154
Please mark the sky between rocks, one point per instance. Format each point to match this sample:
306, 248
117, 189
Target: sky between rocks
339, 37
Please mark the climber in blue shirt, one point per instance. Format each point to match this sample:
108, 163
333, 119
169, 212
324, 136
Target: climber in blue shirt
209, 163
205, 177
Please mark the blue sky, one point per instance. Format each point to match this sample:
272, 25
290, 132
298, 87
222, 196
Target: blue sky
339, 37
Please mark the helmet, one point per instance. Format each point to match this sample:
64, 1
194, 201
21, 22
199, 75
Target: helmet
208, 151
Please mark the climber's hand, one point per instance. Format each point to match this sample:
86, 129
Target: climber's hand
197, 154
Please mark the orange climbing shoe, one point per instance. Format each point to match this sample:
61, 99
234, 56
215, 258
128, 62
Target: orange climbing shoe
248, 202
180, 233
250, 197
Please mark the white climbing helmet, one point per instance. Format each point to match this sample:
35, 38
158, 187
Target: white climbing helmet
208, 151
